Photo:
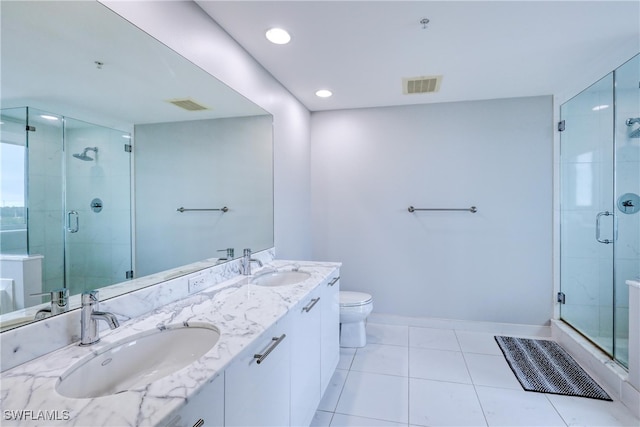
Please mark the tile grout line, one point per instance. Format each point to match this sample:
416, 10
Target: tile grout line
475, 390
566, 423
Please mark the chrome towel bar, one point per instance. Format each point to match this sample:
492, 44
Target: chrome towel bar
472, 209
224, 209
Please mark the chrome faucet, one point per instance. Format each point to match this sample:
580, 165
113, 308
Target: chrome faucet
229, 252
245, 262
89, 316
59, 303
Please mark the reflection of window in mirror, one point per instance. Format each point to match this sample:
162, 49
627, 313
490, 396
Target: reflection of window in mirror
13, 224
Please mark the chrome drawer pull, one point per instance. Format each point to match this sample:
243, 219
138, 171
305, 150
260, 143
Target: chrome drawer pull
199, 423
333, 282
311, 304
264, 355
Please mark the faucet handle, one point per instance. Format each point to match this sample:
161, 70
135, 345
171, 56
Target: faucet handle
58, 296
54, 293
246, 252
89, 297
59, 300
229, 251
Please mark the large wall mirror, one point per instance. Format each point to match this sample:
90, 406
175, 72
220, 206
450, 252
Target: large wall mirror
120, 160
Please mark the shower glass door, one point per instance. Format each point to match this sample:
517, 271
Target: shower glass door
600, 207
627, 198
45, 226
97, 206
586, 220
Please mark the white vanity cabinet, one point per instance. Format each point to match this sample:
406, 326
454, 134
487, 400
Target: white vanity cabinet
305, 356
257, 390
205, 409
330, 328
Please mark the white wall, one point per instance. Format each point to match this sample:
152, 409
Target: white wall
369, 165
185, 28
202, 164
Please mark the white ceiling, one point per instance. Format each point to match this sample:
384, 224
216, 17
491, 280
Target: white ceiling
48, 59
361, 50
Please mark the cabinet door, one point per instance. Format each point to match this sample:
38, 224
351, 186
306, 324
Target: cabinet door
305, 358
205, 409
257, 394
330, 343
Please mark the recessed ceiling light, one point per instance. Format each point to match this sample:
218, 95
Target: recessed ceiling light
48, 117
324, 93
599, 107
278, 36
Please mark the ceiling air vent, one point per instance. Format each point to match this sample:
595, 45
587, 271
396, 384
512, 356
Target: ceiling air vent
187, 104
425, 84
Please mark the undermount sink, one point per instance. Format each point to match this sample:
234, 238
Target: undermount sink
280, 278
137, 361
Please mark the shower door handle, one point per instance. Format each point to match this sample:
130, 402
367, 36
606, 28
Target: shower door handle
76, 226
600, 215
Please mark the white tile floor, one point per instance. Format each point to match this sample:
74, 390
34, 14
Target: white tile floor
410, 376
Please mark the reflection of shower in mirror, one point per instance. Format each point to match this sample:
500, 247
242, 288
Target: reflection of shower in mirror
84, 156
635, 133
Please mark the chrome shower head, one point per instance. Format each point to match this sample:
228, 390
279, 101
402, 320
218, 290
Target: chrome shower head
630, 122
84, 155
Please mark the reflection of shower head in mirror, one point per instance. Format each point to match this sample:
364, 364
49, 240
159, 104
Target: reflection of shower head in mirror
84, 155
636, 132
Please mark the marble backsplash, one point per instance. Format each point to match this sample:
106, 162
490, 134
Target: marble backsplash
28, 342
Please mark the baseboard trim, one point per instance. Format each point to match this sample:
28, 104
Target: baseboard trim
465, 325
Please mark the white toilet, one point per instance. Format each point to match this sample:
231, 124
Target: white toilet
354, 309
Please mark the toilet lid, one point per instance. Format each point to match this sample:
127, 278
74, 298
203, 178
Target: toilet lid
352, 299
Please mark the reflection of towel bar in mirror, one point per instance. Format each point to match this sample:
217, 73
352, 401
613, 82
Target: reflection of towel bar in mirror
224, 209
472, 209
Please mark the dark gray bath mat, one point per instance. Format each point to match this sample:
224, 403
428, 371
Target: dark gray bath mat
543, 366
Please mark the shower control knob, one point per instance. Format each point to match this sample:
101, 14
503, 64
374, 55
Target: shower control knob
629, 203
96, 205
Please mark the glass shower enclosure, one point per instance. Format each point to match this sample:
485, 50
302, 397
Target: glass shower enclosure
600, 207
65, 197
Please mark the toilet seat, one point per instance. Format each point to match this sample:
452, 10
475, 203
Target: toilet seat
354, 299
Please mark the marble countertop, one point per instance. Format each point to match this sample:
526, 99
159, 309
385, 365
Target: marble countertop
240, 311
